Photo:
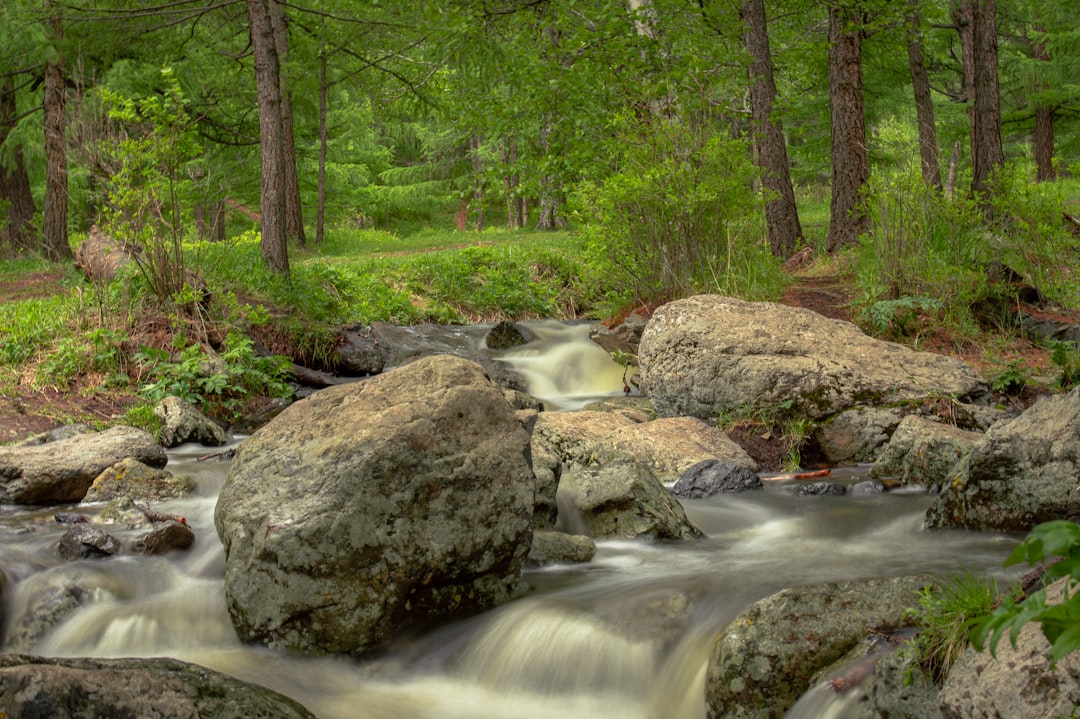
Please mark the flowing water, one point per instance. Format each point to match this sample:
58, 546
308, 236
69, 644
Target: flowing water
627, 635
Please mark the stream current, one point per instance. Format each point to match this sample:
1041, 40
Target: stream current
625, 636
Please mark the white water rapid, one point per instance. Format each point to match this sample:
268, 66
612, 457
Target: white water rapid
626, 636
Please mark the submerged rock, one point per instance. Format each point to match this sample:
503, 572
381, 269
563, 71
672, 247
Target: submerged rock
63, 688
712, 476
369, 507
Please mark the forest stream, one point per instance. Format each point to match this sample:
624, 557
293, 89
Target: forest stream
627, 635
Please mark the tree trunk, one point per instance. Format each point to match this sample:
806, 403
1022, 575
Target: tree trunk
294, 214
850, 161
1042, 141
14, 182
320, 212
515, 204
963, 15
988, 152
54, 241
924, 104
271, 141
781, 215
478, 182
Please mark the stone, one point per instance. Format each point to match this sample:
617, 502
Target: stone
367, 508
85, 541
142, 483
706, 355
856, 434
42, 601
923, 452
71, 688
506, 335
181, 422
61, 472
621, 499
358, 352
1022, 472
165, 537
713, 476
552, 547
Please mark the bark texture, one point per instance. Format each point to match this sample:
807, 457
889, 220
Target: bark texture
988, 154
54, 228
924, 104
294, 215
14, 182
781, 215
850, 161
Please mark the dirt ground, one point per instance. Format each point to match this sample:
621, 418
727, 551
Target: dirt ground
26, 409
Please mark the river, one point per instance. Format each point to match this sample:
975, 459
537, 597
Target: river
627, 635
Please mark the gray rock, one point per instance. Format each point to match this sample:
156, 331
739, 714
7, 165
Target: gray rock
507, 334
358, 352
621, 499
547, 467
1019, 683
857, 434
85, 541
61, 472
764, 660
368, 507
181, 422
712, 476
55, 435
64, 688
1022, 472
923, 452
897, 690
42, 601
708, 354
166, 537
131, 478
623, 336
815, 489
551, 547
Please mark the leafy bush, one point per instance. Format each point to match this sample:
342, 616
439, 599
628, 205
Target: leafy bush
1056, 540
219, 385
674, 216
897, 316
98, 350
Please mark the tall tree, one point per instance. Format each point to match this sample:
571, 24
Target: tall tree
924, 104
987, 151
1042, 139
781, 215
54, 228
14, 181
850, 158
271, 136
294, 216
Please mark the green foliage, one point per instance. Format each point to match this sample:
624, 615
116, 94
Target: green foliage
897, 317
219, 385
1011, 380
98, 350
677, 217
795, 435
944, 616
141, 416
1066, 357
28, 326
1056, 540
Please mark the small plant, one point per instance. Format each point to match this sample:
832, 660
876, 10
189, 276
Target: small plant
945, 616
898, 316
1056, 540
99, 350
1012, 380
1066, 356
796, 433
628, 361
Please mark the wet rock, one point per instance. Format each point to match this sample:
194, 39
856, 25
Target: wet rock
898, 690
547, 467
358, 352
181, 422
712, 476
621, 336
765, 660
166, 537
70, 518
923, 452
124, 512
1022, 472
61, 472
369, 507
1019, 682
131, 478
706, 354
815, 489
621, 499
507, 334
42, 601
551, 547
84, 541
68, 688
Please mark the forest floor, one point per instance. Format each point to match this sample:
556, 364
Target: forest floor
27, 409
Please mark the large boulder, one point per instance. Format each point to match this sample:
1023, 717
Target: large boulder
62, 471
622, 500
667, 447
1018, 683
708, 354
1022, 472
924, 452
64, 688
764, 660
371, 506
